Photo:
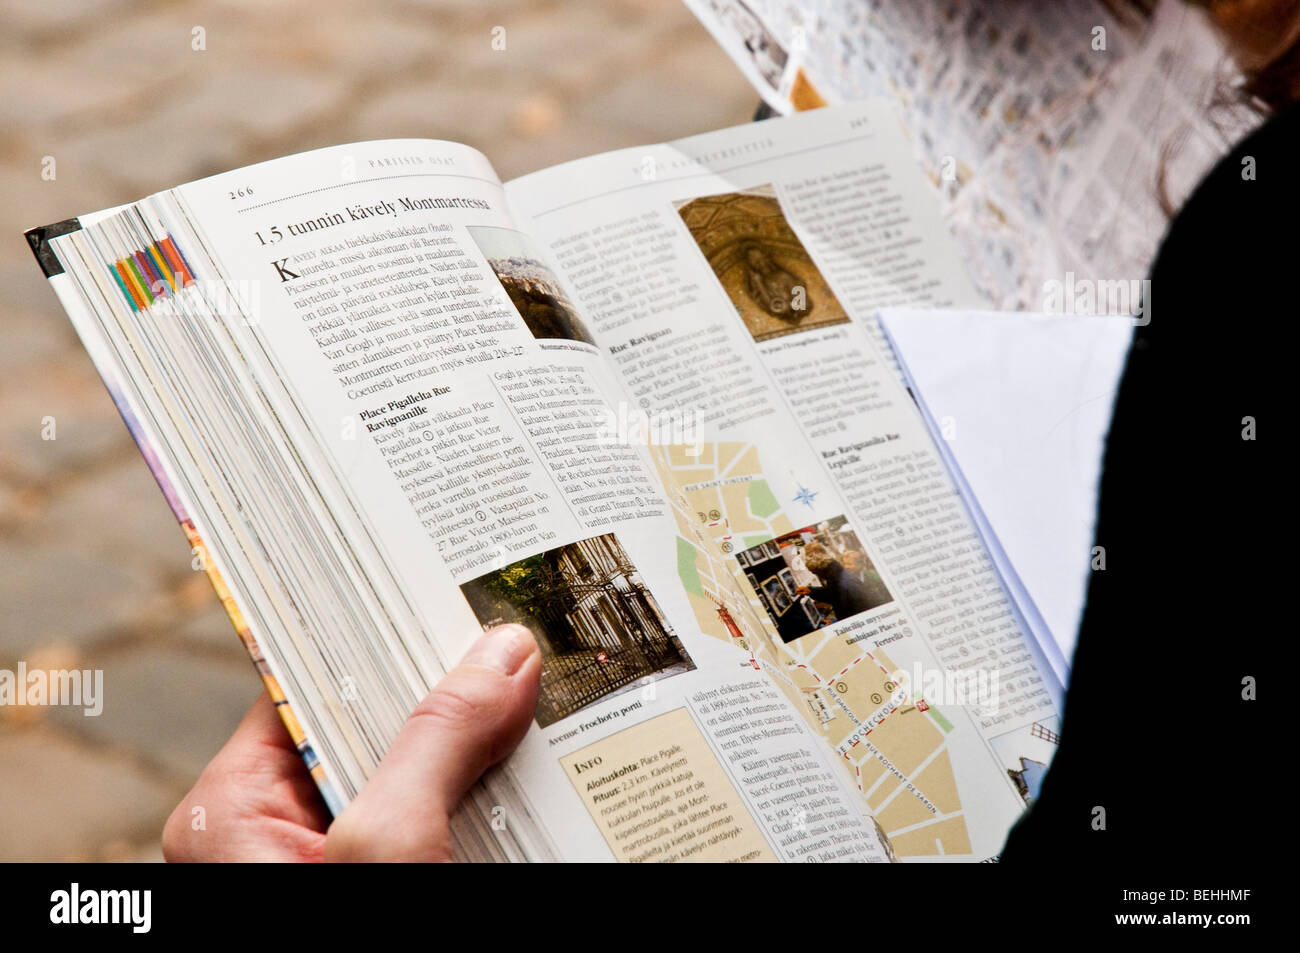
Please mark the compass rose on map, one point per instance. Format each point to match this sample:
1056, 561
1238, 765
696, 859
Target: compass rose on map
806, 496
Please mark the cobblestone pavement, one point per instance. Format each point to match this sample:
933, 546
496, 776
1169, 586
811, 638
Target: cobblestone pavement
93, 571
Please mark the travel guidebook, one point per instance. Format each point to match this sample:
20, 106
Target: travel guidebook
639, 403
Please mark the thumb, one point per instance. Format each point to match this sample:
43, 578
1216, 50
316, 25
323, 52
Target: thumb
474, 717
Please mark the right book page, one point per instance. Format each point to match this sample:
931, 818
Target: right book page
734, 279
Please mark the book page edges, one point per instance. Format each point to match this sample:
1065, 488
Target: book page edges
77, 310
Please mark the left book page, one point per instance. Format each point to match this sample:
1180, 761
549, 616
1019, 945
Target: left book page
293, 344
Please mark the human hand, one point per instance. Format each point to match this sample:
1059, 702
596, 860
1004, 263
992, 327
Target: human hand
259, 803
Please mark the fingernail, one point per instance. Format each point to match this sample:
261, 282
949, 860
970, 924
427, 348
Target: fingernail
502, 649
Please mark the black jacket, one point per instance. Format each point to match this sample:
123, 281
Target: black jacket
1197, 531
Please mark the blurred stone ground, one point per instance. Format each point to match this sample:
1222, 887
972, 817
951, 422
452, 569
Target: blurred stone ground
93, 571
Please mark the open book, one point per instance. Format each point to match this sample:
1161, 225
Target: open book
637, 402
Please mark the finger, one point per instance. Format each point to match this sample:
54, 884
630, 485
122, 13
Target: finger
254, 800
262, 725
470, 721
262, 746
474, 717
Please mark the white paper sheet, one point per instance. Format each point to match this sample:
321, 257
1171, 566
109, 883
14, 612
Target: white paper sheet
1020, 405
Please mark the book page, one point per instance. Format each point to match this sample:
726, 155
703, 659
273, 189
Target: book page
733, 278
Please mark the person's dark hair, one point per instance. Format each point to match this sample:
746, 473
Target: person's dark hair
1264, 38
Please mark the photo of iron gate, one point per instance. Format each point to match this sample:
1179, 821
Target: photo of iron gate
599, 627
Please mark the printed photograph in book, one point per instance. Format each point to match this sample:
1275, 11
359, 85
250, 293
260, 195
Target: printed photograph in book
768, 55
760, 262
1026, 753
813, 577
600, 629
533, 288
